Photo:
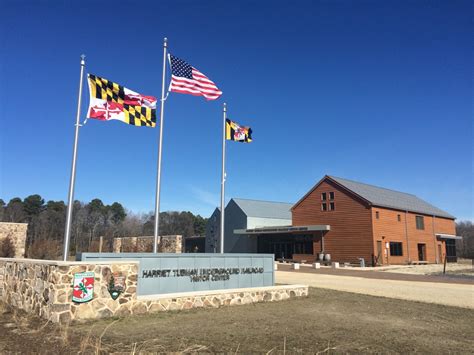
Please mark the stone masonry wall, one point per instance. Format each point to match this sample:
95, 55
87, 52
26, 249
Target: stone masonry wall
44, 288
143, 244
17, 233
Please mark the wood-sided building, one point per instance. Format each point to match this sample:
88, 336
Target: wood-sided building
351, 220
380, 225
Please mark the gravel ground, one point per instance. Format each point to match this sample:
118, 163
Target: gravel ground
434, 269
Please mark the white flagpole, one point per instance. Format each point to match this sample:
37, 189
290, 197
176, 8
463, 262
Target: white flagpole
223, 180
160, 148
72, 180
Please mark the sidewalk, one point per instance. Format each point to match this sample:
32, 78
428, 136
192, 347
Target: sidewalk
450, 294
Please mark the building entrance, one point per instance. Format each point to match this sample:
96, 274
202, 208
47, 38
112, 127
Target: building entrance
284, 246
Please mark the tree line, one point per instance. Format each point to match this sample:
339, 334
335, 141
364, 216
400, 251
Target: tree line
46, 223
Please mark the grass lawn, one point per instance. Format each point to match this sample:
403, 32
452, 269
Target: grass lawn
326, 322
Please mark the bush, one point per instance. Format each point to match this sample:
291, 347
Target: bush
48, 249
7, 248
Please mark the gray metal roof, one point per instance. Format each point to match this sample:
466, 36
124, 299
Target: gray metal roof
382, 197
283, 229
264, 209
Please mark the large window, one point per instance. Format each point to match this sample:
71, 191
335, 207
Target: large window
324, 206
396, 249
332, 207
331, 195
323, 196
420, 222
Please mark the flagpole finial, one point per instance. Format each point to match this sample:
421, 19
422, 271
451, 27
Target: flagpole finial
165, 42
83, 59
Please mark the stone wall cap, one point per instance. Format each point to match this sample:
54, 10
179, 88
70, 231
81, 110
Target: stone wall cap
220, 292
68, 263
13, 223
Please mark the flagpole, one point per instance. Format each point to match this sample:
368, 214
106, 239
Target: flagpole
72, 179
160, 148
223, 180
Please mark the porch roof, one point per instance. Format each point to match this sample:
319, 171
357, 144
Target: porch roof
283, 229
448, 236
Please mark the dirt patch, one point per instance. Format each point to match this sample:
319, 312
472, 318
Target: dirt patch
327, 320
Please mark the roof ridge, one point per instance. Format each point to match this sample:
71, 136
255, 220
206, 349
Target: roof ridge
250, 199
378, 187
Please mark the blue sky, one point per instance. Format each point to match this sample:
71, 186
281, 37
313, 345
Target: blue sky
374, 91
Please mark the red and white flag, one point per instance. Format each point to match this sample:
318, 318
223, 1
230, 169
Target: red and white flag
186, 79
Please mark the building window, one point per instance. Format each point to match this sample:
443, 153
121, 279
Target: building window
331, 195
331, 206
399, 218
396, 249
420, 222
324, 206
377, 214
323, 196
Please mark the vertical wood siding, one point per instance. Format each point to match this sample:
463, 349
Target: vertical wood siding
350, 236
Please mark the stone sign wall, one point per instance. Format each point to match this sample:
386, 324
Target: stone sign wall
17, 233
45, 288
170, 273
143, 244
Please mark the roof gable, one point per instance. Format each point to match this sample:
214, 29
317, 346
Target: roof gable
264, 209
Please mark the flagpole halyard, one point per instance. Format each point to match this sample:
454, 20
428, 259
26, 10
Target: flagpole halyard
160, 148
72, 179
224, 110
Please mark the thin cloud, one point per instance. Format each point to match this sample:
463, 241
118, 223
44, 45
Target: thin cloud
204, 196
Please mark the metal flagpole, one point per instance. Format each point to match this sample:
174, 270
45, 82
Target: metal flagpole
160, 148
223, 180
72, 180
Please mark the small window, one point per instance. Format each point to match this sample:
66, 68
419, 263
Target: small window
324, 206
420, 222
377, 214
399, 218
323, 196
331, 195
332, 207
396, 249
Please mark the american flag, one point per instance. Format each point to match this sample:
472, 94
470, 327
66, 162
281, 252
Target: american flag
186, 79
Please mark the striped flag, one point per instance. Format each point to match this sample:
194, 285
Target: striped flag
186, 79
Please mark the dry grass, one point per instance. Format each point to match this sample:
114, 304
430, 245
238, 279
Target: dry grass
326, 322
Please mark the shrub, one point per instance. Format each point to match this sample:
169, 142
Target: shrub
48, 249
7, 248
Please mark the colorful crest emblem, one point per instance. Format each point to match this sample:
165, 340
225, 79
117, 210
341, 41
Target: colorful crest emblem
83, 287
116, 285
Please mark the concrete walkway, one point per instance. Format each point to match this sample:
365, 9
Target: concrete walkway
457, 295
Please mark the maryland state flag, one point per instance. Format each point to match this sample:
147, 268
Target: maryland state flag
236, 132
111, 101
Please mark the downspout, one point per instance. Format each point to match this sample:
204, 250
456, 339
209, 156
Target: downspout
434, 236
406, 235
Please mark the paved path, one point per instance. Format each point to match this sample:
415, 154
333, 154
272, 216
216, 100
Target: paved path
380, 275
459, 295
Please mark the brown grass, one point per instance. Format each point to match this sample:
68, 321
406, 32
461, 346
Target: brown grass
324, 323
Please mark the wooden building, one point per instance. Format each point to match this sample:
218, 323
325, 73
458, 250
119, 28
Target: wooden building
351, 220
380, 225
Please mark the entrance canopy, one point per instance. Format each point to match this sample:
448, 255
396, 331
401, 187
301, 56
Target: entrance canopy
284, 229
448, 236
